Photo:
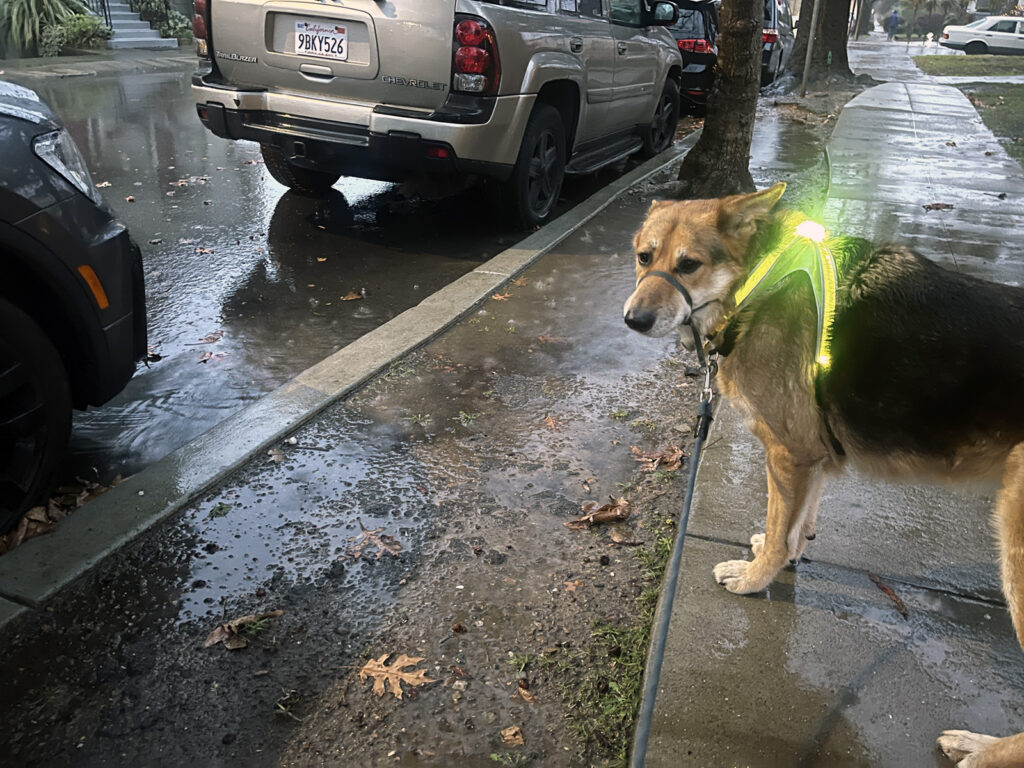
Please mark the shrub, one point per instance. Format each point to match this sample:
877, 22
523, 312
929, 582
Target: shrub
86, 31
150, 10
52, 40
177, 25
23, 21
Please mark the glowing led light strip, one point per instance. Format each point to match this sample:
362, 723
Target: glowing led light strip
820, 266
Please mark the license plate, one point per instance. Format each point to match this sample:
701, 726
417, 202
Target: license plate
322, 39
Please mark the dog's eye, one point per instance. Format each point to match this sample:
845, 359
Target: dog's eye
686, 266
643, 258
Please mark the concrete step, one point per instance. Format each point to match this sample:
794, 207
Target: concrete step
135, 34
124, 15
145, 42
130, 24
120, 7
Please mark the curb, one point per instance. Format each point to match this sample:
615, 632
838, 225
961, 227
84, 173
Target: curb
41, 567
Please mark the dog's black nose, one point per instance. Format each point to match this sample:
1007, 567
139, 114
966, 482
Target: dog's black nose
640, 320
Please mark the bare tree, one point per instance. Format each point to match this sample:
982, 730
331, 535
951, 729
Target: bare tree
718, 164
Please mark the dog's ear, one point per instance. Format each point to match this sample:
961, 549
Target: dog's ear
738, 215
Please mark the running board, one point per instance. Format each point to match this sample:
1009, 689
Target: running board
598, 157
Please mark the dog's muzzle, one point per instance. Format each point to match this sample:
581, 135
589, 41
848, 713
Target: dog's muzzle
643, 320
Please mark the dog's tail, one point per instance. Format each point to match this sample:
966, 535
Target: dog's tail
1010, 514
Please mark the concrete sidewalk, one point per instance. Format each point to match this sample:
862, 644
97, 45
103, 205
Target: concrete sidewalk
822, 670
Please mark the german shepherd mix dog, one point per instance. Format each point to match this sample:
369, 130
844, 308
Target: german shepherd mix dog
926, 380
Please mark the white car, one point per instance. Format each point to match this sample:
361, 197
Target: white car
992, 34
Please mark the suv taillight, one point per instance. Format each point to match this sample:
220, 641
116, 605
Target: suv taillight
475, 65
770, 36
201, 27
695, 46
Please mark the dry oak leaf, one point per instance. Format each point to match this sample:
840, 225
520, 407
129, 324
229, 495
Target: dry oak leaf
392, 675
669, 460
367, 536
512, 736
352, 296
613, 512
228, 633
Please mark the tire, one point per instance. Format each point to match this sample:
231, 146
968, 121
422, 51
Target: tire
530, 194
659, 135
35, 414
976, 48
305, 181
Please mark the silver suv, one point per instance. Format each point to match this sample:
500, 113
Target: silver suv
521, 92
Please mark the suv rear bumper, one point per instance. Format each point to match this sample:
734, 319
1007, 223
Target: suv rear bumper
383, 143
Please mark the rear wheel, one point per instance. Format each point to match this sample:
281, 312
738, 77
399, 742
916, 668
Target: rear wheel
659, 135
306, 181
531, 192
35, 413
976, 48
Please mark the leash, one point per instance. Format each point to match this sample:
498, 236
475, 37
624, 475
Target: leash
656, 655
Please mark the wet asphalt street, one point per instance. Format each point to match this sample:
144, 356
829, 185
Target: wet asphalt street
246, 282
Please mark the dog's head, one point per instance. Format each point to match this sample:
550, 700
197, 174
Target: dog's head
704, 245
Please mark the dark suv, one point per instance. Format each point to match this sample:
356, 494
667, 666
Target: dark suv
696, 35
72, 305
776, 39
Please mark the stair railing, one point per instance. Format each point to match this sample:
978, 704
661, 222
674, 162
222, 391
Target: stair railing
101, 9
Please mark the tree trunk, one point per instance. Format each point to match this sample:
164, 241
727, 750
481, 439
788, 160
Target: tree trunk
719, 162
829, 58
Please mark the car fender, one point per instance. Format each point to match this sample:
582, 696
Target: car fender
547, 66
35, 272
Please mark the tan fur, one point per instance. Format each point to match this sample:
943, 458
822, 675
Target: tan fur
769, 382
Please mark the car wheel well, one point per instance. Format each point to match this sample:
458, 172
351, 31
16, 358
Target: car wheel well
48, 310
676, 73
564, 96
976, 48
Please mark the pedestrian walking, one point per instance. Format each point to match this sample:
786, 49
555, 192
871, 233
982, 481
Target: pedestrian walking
891, 23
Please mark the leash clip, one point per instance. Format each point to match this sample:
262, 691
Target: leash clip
710, 370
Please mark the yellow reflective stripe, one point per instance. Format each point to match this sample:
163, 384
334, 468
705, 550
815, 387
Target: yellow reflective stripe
828, 273
759, 273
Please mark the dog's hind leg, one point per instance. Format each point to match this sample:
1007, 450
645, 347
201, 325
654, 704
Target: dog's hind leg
789, 483
972, 750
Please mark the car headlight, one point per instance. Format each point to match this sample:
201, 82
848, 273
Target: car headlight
59, 151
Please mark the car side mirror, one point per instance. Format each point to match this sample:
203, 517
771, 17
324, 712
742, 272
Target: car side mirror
664, 14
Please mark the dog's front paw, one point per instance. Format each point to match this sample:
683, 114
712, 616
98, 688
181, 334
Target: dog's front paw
964, 747
739, 577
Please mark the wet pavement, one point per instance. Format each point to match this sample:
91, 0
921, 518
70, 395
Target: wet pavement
822, 670
247, 283
471, 453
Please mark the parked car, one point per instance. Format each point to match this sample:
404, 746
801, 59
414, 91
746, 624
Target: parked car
696, 35
992, 34
776, 39
72, 305
520, 92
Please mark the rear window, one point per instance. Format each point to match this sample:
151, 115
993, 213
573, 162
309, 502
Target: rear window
690, 24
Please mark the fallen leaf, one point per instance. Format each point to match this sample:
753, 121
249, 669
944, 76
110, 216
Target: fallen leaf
594, 514
156, 241
888, 591
321, 259
512, 736
950, 143
519, 282
458, 628
352, 296
130, 199
523, 690
103, 185
227, 633
501, 296
669, 460
570, 586
392, 675
202, 250
209, 338
382, 541
276, 455
552, 422
937, 206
